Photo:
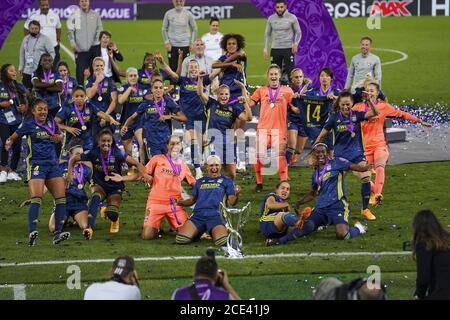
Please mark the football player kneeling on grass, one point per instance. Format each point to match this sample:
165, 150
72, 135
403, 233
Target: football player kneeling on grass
207, 194
332, 206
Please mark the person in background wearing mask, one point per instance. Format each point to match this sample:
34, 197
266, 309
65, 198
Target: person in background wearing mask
50, 25
34, 45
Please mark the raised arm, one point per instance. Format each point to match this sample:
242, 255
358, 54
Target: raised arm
90, 92
123, 97
172, 75
203, 96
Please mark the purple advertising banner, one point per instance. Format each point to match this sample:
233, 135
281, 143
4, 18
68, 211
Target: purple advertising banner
320, 45
10, 11
189, 2
108, 10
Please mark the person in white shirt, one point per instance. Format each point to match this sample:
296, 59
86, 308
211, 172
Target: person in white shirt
212, 40
204, 63
50, 26
123, 285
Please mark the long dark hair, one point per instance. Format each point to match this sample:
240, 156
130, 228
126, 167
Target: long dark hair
64, 64
39, 71
9, 84
428, 230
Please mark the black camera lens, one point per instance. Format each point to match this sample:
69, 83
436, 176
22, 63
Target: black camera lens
211, 252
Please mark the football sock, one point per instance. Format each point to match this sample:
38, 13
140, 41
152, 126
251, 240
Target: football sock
94, 204
60, 213
365, 192
112, 212
33, 213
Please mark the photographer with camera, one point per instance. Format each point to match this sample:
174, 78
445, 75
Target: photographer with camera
210, 283
358, 289
123, 284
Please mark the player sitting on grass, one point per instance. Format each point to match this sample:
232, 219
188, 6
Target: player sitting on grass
207, 194
332, 206
276, 219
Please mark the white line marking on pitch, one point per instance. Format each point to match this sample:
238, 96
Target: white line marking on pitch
403, 58
255, 256
66, 50
18, 289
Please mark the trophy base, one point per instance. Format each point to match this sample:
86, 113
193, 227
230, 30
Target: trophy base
232, 253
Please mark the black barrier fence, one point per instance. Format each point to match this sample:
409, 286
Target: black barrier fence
337, 8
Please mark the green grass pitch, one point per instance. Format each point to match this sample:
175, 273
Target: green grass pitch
408, 188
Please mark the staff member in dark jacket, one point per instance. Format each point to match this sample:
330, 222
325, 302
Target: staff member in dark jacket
431, 249
104, 50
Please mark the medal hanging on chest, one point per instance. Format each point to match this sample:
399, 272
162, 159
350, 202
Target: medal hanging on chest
273, 97
105, 164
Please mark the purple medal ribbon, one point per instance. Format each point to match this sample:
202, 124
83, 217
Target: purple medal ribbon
273, 98
350, 125
105, 164
160, 108
319, 175
193, 81
174, 210
47, 128
366, 105
148, 75
233, 101
79, 174
47, 76
176, 169
12, 95
325, 93
298, 90
80, 115
100, 87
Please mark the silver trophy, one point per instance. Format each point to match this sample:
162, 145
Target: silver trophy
235, 220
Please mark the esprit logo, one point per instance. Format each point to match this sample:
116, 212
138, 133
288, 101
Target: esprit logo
391, 8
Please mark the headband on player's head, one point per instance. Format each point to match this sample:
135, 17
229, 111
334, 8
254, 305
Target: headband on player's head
320, 144
74, 147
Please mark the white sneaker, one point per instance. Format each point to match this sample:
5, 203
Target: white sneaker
3, 177
14, 176
241, 167
198, 173
362, 228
